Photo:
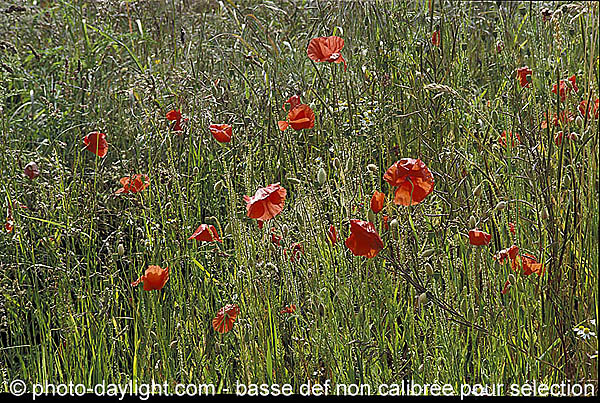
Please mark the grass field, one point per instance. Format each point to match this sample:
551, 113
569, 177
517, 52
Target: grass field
432, 80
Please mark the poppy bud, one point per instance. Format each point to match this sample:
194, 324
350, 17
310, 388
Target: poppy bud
372, 168
121, 249
321, 176
472, 222
394, 225
293, 180
195, 171
371, 216
579, 121
512, 279
428, 252
422, 300
566, 182
228, 228
501, 205
545, 213
348, 165
477, 191
429, 269
336, 163
218, 186
285, 230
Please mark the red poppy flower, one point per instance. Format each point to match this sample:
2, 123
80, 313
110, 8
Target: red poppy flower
32, 170
96, 143
154, 278
294, 101
332, 234
511, 135
225, 318
326, 49
222, 133
377, 201
507, 286
509, 253
565, 87
296, 250
207, 233
266, 202
479, 238
175, 116
413, 179
527, 265
512, 228
586, 114
436, 38
288, 309
364, 239
274, 238
300, 117
559, 136
134, 184
522, 74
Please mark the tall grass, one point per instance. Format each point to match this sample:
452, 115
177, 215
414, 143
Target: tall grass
68, 311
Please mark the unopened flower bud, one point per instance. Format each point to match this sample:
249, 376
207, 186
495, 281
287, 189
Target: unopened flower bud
394, 225
348, 165
472, 222
477, 191
371, 216
285, 230
321, 176
121, 249
218, 186
422, 300
545, 213
428, 252
336, 163
429, 269
293, 180
579, 121
372, 168
501, 205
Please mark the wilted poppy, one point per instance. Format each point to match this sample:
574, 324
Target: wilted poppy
377, 201
436, 38
559, 136
364, 239
32, 170
507, 286
332, 234
275, 238
222, 133
225, 318
134, 184
207, 233
296, 250
288, 309
175, 116
326, 49
479, 238
586, 114
413, 179
509, 253
154, 278
527, 265
565, 117
96, 143
522, 74
503, 137
300, 117
565, 87
10, 222
266, 203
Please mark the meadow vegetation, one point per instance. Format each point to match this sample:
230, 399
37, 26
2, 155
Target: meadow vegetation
429, 307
